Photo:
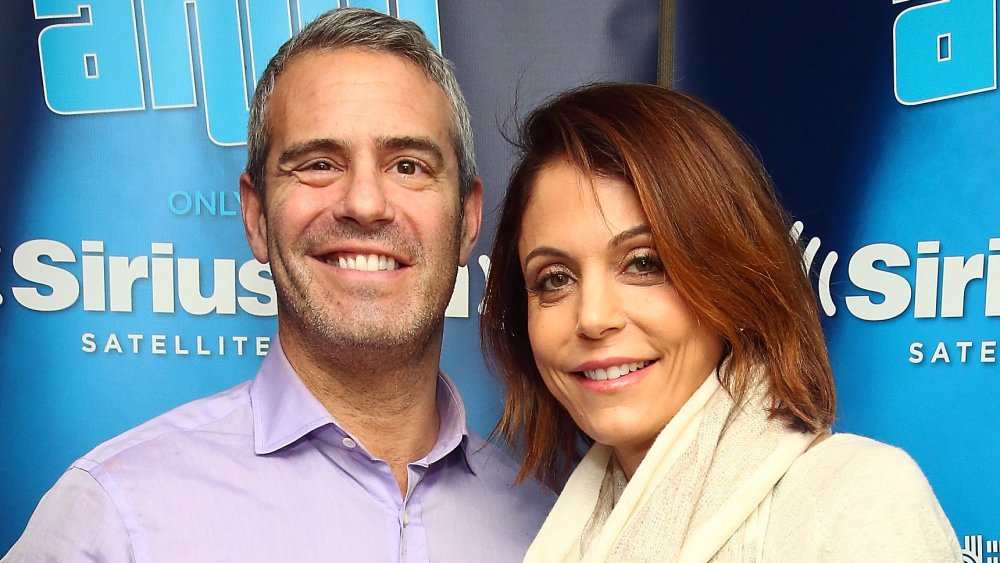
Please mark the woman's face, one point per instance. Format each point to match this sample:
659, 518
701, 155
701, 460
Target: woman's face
613, 341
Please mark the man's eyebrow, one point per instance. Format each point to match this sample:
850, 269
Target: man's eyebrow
623, 236
297, 150
422, 144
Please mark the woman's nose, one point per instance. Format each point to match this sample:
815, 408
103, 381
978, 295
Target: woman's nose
599, 311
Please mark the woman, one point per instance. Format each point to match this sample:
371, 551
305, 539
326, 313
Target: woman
645, 296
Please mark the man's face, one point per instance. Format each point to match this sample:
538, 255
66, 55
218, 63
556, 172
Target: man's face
361, 222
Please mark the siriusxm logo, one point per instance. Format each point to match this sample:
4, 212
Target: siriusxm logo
109, 283
944, 49
98, 60
939, 288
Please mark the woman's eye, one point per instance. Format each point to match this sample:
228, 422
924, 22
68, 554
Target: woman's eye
551, 283
645, 264
555, 281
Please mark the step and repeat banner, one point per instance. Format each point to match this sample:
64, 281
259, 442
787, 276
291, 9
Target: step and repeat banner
126, 284
880, 124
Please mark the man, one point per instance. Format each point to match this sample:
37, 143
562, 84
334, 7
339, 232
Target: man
349, 445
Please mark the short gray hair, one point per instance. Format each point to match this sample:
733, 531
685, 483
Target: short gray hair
366, 29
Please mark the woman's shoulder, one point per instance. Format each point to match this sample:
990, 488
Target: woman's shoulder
852, 461
854, 472
853, 498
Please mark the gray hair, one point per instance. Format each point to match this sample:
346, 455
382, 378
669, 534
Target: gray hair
367, 29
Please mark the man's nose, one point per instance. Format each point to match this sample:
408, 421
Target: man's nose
364, 199
599, 310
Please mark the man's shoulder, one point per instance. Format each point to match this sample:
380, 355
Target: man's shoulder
224, 413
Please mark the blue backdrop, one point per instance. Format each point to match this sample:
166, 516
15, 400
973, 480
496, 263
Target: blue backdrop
126, 286
878, 122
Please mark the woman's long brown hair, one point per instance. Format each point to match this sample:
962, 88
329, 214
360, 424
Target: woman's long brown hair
719, 230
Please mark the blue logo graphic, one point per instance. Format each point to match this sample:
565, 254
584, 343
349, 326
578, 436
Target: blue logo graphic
944, 50
92, 64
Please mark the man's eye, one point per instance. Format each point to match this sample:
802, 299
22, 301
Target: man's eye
317, 166
407, 167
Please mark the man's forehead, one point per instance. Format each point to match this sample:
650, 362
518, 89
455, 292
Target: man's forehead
377, 93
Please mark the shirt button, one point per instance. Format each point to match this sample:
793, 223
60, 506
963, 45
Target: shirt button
350, 444
406, 519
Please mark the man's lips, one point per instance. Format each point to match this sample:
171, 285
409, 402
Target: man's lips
363, 260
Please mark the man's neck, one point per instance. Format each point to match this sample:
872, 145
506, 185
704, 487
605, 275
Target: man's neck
389, 406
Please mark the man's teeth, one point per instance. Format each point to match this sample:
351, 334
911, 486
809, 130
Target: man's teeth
369, 263
614, 372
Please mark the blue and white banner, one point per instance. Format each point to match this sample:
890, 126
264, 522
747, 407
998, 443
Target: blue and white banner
878, 121
126, 284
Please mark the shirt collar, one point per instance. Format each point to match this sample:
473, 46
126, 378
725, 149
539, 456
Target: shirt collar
284, 410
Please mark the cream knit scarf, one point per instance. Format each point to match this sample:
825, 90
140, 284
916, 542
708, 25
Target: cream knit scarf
701, 493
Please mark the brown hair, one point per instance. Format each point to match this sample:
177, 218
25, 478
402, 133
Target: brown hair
716, 225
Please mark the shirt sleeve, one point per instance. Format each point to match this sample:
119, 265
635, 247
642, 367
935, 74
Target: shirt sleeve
75, 521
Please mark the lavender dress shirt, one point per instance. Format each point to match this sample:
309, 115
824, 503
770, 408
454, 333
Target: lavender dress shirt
262, 472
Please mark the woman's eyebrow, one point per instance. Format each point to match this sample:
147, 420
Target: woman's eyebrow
623, 236
615, 241
545, 251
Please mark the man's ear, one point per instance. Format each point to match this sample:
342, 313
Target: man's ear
254, 219
472, 219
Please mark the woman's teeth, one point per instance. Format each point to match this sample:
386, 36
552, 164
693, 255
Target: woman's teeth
369, 263
614, 372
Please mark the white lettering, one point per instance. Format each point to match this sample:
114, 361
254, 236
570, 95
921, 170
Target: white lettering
65, 289
113, 344
158, 342
893, 287
124, 273
993, 282
958, 272
223, 297
163, 277
256, 278
135, 338
987, 354
89, 346
940, 353
964, 346
93, 276
177, 346
925, 301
